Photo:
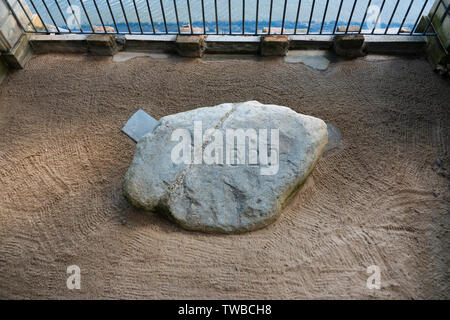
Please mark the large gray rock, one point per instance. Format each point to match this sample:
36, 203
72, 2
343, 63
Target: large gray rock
221, 197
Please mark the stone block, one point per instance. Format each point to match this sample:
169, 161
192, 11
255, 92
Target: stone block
274, 45
18, 56
190, 46
10, 33
349, 45
102, 44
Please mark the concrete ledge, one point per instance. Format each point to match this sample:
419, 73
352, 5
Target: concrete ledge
315, 42
73, 43
382, 44
232, 44
156, 43
403, 45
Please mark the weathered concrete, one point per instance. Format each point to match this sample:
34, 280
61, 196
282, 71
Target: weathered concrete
73, 43
349, 45
10, 33
155, 43
102, 44
306, 42
395, 45
235, 44
379, 44
438, 47
274, 45
19, 55
191, 46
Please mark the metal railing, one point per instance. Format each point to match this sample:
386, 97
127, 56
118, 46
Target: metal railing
254, 17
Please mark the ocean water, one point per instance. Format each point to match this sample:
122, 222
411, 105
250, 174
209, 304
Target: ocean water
235, 9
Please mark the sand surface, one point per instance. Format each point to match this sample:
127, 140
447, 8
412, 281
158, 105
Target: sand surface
369, 202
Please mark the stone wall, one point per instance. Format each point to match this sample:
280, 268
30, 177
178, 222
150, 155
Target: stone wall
438, 47
15, 50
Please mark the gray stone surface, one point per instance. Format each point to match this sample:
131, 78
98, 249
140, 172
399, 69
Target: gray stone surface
221, 197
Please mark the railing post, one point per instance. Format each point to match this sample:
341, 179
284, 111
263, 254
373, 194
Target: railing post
14, 47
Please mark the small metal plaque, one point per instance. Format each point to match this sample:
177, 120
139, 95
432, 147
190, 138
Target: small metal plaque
139, 125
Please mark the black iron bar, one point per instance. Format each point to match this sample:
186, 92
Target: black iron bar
270, 15
137, 16
229, 15
378, 16
337, 17
298, 12
51, 17
75, 16
284, 16
243, 16
15, 16
39, 15
60, 12
176, 14
203, 17
28, 24
406, 15
217, 20
257, 14
392, 16
190, 17
364, 18
112, 16
324, 15
310, 16
164, 16
150, 16
26, 13
351, 16
100, 16
87, 16
418, 18
125, 16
